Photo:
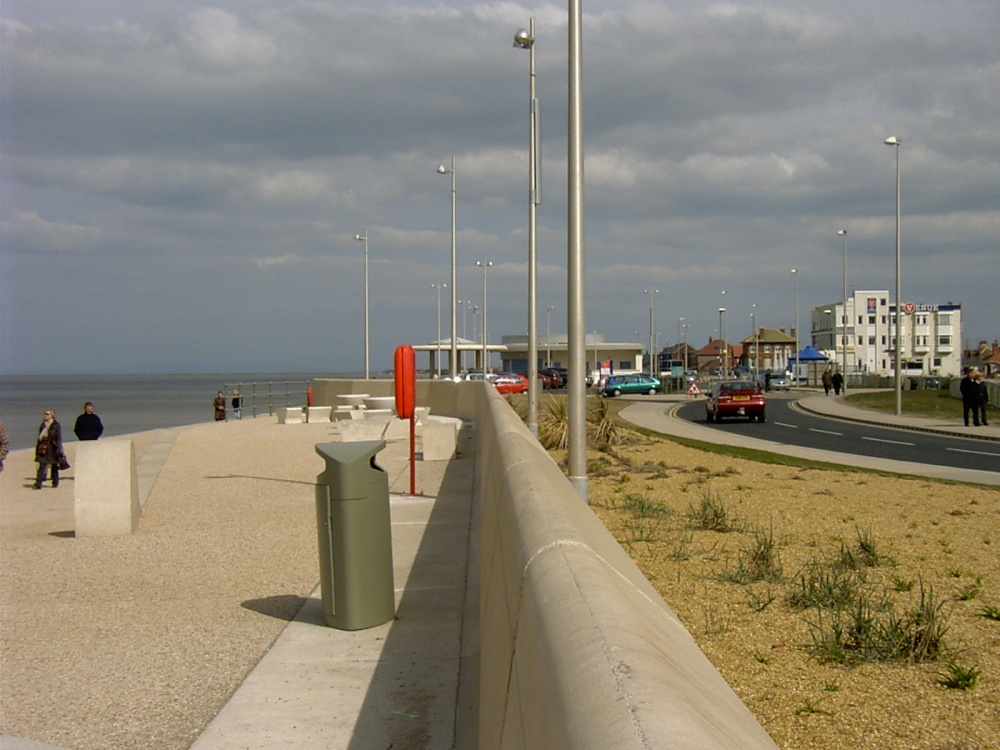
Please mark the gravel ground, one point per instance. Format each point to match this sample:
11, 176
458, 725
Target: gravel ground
941, 536
137, 641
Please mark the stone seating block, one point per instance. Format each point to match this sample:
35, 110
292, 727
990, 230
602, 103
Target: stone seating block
362, 429
291, 415
318, 413
106, 488
440, 438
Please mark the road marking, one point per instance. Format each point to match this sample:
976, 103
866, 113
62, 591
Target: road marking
826, 432
893, 442
785, 424
977, 453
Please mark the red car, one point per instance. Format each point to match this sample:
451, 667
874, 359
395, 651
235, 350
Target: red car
508, 382
735, 398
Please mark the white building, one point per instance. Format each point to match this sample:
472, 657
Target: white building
931, 335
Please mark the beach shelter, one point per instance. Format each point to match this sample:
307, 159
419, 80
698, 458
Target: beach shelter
810, 355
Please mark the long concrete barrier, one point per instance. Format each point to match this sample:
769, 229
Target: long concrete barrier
577, 649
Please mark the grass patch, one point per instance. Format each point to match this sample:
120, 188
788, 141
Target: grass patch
930, 403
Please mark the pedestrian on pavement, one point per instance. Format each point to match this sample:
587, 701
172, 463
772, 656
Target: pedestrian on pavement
88, 425
48, 449
982, 397
969, 389
838, 382
220, 407
4, 444
827, 381
237, 403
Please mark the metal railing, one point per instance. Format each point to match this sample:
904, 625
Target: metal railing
265, 396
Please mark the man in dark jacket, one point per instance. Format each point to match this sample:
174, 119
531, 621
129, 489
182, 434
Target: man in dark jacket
88, 425
969, 389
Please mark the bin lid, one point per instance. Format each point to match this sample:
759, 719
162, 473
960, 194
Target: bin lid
349, 466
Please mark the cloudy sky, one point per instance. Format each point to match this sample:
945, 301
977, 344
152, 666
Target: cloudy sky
182, 181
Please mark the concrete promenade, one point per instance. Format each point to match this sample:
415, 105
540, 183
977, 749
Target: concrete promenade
204, 629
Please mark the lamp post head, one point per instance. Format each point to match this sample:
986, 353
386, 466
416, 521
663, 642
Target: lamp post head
842, 232
722, 309
359, 237
442, 169
893, 141
523, 39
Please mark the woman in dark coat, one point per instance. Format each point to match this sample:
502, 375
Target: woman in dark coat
48, 449
220, 407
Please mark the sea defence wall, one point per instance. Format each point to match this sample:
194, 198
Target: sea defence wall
577, 649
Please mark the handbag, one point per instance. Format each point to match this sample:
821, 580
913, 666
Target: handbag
63, 463
43, 448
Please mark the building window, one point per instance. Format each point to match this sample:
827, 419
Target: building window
861, 341
871, 320
861, 319
882, 302
767, 349
937, 361
944, 340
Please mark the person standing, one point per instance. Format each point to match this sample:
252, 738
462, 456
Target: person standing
88, 425
220, 407
970, 396
4, 444
48, 449
827, 381
237, 403
982, 398
838, 382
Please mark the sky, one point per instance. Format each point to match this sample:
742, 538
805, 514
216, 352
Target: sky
181, 182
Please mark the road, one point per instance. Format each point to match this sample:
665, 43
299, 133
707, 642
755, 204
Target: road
788, 425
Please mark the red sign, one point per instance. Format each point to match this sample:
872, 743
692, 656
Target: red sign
694, 390
909, 307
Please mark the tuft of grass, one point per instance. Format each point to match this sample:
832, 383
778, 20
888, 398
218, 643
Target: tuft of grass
971, 591
990, 613
822, 585
958, 677
711, 514
643, 507
758, 561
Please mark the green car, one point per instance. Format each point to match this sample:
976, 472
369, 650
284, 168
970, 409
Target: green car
616, 385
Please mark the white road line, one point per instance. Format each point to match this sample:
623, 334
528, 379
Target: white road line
785, 424
893, 442
826, 432
977, 453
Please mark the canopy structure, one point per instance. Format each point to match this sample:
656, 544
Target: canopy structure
808, 356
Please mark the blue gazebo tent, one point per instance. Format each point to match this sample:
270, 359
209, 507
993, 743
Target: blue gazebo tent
808, 356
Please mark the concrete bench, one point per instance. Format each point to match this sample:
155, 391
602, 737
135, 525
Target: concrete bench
106, 488
318, 413
440, 438
291, 415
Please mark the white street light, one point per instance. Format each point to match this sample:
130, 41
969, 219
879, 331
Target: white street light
843, 338
364, 238
548, 336
484, 264
795, 372
453, 365
525, 39
438, 286
724, 358
894, 141
652, 353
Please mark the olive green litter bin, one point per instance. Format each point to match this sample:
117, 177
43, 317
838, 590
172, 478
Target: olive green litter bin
355, 536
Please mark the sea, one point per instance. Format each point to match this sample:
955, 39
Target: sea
136, 403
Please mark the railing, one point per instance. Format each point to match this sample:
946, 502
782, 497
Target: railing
263, 395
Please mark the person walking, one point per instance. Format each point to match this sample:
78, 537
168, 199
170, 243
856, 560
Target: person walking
48, 449
220, 407
838, 382
4, 444
88, 425
827, 381
237, 403
969, 389
982, 398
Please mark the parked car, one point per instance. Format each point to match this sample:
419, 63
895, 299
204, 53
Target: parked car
564, 374
509, 382
735, 398
554, 376
780, 383
616, 385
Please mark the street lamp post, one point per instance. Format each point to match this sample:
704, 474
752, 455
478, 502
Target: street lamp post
364, 238
526, 40
548, 336
795, 372
723, 359
843, 337
894, 141
652, 354
484, 264
756, 343
437, 365
453, 365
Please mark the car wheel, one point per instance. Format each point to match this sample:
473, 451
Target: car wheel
616, 392
651, 391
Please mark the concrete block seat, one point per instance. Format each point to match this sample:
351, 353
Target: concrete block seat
291, 415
